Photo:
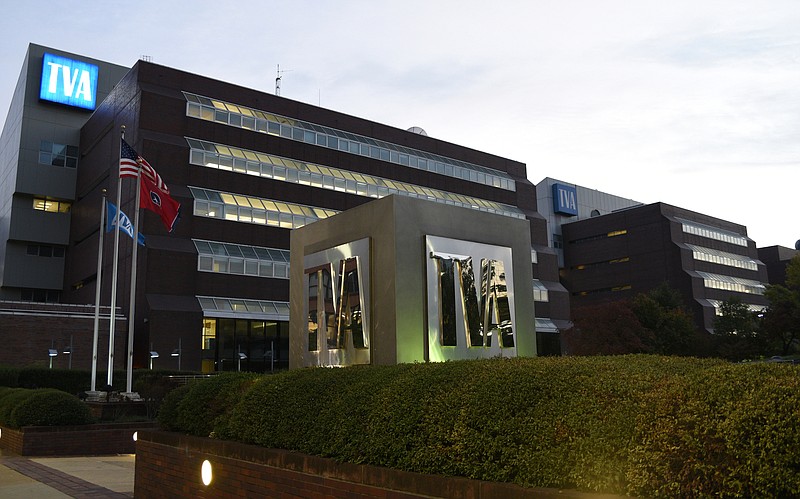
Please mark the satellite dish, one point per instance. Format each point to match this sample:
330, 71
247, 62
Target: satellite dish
797, 245
418, 130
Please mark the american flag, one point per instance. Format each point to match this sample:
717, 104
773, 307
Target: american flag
130, 162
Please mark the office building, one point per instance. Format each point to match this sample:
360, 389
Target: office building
247, 168
630, 251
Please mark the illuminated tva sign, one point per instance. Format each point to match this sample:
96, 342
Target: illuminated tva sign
336, 292
565, 199
470, 300
68, 82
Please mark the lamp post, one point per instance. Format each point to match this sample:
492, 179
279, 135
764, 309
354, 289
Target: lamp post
153, 355
177, 353
68, 351
240, 357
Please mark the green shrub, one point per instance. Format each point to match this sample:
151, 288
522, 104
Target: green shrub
641, 425
168, 411
207, 399
9, 399
9, 376
50, 407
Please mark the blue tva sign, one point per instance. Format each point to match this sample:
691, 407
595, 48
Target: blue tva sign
565, 199
69, 82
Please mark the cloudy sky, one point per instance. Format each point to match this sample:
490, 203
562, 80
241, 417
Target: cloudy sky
693, 103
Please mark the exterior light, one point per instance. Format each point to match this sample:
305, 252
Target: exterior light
135, 436
52, 352
153, 355
205, 472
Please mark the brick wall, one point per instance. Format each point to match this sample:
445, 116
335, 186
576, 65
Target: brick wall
84, 440
168, 465
28, 330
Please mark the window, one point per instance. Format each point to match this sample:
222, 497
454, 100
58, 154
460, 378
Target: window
326, 177
240, 116
227, 258
45, 250
51, 205
540, 291
54, 154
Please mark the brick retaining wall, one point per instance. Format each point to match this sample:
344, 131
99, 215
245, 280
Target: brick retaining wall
83, 440
168, 466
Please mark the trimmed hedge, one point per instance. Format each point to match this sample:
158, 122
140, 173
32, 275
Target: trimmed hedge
215, 396
70, 380
641, 425
41, 407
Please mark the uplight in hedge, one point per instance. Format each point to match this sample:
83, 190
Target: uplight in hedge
205, 472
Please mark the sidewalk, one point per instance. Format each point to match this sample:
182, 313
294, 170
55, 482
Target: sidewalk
63, 477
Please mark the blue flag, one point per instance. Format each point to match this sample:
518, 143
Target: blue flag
125, 224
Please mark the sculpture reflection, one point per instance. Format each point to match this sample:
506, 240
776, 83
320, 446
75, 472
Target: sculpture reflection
483, 317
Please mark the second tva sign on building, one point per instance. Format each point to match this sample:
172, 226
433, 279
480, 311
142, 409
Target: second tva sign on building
405, 280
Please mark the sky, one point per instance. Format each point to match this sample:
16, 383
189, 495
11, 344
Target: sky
690, 103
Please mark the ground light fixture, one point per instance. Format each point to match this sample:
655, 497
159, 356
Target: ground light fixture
205, 472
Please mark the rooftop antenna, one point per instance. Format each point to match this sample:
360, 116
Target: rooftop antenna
147, 58
278, 79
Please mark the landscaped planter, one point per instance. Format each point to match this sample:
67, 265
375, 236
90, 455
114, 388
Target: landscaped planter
169, 465
94, 439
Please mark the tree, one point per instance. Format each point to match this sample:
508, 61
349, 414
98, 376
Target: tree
672, 330
781, 323
736, 331
607, 329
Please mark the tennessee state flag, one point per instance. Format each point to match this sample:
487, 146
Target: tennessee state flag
154, 195
159, 201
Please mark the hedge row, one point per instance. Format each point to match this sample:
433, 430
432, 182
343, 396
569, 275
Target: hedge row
68, 380
41, 407
640, 425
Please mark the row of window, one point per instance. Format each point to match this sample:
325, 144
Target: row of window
54, 154
750, 306
51, 205
613, 261
249, 209
613, 289
540, 292
45, 250
227, 258
273, 310
40, 295
229, 158
598, 237
722, 257
729, 283
253, 119
709, 232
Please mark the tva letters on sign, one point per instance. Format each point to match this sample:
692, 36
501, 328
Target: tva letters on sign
565, 199
68, 82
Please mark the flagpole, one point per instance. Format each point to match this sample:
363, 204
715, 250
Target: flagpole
110, 378
98, 281
132, 303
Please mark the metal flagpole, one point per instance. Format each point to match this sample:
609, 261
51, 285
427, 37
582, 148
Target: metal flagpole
132, 306
98, 282
110, 379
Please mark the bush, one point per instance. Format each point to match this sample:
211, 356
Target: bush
9, 399
196, 409
9, 376
641, 425
49, 407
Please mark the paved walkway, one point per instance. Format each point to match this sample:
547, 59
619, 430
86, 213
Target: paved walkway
92, 477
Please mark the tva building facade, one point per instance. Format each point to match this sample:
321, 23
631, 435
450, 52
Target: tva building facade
248, 168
